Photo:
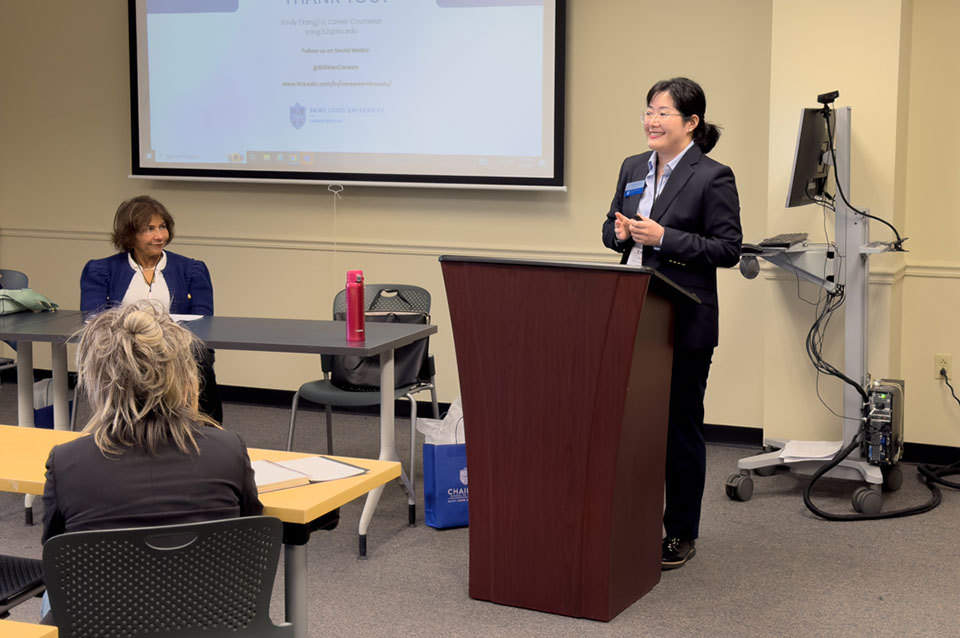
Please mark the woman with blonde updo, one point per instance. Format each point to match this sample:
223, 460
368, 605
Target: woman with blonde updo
152, 457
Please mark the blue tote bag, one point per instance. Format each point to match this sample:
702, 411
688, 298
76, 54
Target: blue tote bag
445, 491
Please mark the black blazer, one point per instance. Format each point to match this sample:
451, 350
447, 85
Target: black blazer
700, 212
86, 490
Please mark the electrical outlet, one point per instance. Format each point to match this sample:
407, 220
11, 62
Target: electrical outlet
942, 361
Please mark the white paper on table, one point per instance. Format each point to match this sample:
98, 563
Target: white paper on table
320, 468
270, 476
810, 450
183, 318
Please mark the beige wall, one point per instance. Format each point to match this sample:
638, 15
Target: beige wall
283, 250
932, 280
819, 46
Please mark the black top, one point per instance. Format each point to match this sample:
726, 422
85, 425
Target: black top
86, 490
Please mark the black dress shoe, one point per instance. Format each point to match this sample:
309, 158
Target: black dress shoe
675, 553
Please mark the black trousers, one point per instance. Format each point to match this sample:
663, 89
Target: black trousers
210, 403
686, 447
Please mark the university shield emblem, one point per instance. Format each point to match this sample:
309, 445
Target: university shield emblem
463, 476
298, 115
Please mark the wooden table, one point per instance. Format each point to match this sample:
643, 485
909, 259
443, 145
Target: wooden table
227, 333
24, 452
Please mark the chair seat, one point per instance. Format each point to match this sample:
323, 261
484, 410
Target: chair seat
19, 577
325, 393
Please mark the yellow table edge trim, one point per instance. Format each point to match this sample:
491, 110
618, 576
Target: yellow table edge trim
18, 629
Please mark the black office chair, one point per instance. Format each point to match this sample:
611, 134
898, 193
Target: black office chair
380, 301
11, 280
197, 580
20, 580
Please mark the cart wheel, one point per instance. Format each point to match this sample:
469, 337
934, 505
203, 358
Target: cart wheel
739, 487
892, 477
769, 470
867, 501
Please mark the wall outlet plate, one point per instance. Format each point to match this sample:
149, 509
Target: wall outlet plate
942, 361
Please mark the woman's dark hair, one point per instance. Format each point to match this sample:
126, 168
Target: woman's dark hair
689, 99
133, 216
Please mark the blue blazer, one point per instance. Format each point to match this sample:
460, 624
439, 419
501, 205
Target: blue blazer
700, 211
104, 282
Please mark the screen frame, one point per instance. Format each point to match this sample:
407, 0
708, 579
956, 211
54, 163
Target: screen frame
808, 166
554, 182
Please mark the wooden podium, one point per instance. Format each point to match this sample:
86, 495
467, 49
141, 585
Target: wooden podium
565, 381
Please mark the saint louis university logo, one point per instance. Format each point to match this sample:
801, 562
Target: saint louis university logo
298, 115
463, 476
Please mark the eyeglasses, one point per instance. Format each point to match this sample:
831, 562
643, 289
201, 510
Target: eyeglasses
650, 115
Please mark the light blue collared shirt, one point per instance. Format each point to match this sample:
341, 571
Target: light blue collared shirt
652, 190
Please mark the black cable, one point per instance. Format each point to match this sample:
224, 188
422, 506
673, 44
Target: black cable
814, 341
814, 346
898, 245
929, 475
934, 501
933, 473
946, 380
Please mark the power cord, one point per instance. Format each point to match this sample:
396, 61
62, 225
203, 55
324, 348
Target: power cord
946, 379
814, 341
935, 474
929, 475
898, 244
935, 496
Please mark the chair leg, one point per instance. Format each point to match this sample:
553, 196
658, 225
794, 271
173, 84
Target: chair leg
73, 410
412, 500
329, 412
433, 397
293, 419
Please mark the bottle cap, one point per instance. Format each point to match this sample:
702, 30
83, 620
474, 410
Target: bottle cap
354, 275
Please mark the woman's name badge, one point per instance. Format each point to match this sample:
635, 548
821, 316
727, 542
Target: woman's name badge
634, 188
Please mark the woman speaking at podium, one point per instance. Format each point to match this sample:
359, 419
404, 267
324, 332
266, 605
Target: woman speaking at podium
677, 211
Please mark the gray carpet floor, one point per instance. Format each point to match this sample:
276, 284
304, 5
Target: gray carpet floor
767, 567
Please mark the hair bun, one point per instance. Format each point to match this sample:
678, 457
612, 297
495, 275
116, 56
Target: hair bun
144, 326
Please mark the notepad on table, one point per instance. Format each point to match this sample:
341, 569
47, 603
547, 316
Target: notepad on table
278, 475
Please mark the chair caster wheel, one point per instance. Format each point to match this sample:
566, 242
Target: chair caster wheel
739, 487
892, 477
867, 501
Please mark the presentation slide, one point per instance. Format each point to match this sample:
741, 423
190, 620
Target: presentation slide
364, 88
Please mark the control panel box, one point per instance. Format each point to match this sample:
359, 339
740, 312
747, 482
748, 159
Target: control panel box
883, 423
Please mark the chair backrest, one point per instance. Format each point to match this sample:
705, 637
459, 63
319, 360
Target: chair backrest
412, 362
387, 298
193, 580
13, 279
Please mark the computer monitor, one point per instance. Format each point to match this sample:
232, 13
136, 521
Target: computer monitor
811, 167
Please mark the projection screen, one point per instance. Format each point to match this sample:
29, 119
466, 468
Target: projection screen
464, 93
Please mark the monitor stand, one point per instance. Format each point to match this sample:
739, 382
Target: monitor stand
851, 241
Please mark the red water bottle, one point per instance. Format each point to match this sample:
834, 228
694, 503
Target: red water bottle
355, 324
